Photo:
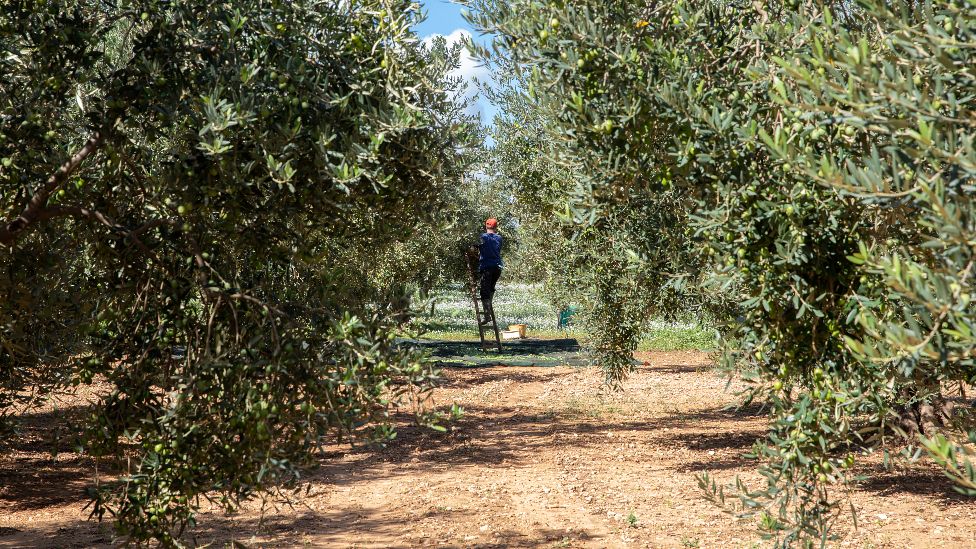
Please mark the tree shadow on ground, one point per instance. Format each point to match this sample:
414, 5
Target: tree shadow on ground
725, 440
511, 347
504, 435
524, 352
677, 368
491, 375
721, 444
724, 413
338, 527
920, 480
67, 535
370, 526
34, 485
40, 469
40, 466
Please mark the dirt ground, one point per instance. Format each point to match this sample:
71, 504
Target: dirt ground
540, 459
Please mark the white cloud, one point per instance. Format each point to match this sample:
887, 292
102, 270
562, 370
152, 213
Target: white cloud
469, 70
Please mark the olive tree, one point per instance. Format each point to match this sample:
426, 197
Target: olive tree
819, 155
193, 198
891, 102
596, 243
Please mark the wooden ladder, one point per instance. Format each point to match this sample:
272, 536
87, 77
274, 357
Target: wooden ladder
484, 315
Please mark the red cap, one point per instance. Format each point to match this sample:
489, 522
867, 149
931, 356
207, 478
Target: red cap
492, 223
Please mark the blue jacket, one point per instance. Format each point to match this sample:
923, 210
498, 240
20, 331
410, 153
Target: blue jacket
491, 251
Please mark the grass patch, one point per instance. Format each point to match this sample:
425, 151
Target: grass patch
678, 338
674, 338
453, 320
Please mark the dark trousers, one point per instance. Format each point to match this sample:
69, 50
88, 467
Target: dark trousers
489, 277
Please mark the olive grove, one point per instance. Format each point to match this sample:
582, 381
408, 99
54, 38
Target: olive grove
213, 216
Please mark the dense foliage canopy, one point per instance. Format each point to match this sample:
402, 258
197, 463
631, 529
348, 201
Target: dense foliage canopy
209, 211
803, 169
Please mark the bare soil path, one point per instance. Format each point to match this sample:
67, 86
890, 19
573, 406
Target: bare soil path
540, 459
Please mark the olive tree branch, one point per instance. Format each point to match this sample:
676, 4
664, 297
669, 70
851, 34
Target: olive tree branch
35, 209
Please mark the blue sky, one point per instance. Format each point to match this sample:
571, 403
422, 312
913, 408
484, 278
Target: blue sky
444, 18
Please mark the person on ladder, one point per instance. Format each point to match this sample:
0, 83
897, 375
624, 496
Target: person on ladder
490, 262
